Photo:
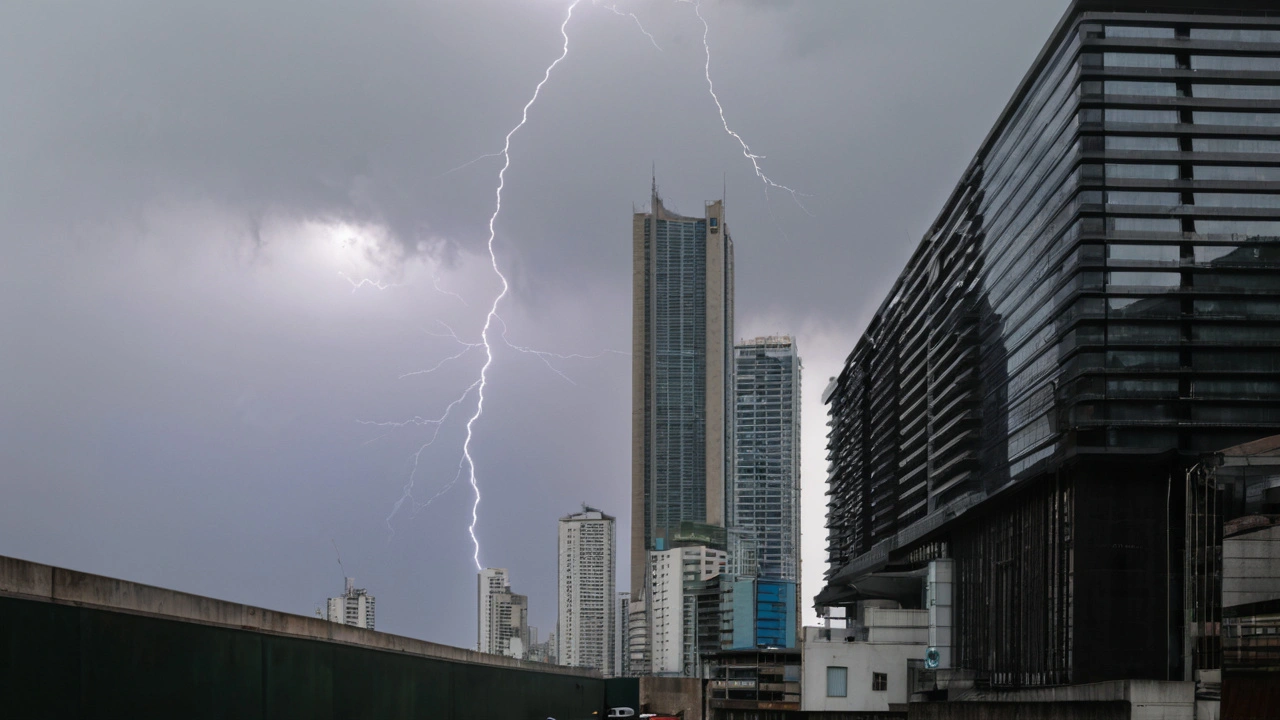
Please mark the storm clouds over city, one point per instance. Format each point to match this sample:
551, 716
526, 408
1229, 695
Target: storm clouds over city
245, 267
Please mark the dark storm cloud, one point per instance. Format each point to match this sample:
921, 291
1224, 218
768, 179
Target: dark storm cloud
185, 361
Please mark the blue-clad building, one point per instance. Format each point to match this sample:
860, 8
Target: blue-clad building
757, 613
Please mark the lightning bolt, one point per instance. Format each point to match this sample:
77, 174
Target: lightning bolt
435, 283
493, 308
356, 285
624, 14
467, 460
437, 423
545, 356
746, 150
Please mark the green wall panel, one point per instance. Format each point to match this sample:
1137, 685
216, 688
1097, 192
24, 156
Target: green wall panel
58, 661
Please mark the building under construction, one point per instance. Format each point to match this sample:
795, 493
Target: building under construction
1095, 309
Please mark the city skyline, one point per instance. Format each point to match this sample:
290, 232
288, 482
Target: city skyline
199, 244
360, 275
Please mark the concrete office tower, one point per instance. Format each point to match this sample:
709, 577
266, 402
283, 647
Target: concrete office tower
585, 585
764, 500
503, 616
673, 608
353, 607
682, 330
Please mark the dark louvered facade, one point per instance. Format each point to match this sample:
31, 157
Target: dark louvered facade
1097, 305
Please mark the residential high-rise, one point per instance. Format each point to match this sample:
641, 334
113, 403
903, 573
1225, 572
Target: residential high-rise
585, 590
621, 617
682, 330
1096, 305
489, 582
502, 626
764, 499
677, 580
509, 620
353, 607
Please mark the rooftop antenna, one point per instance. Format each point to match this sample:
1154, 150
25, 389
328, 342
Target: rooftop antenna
724, 189
654, 199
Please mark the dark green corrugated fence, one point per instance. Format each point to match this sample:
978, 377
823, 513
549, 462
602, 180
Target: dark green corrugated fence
58, 661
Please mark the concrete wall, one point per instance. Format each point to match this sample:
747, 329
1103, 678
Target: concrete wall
1128, 699
672, 696
894, 625
1251, 567
1115, 710
74, 645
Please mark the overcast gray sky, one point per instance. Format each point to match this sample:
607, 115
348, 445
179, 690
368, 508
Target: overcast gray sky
190, 191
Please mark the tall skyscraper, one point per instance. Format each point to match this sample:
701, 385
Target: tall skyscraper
1093, 310
764, 500
682, 330
502, 624
585, 589
353, 607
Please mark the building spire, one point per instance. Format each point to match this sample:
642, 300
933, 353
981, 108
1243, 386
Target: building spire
653, 199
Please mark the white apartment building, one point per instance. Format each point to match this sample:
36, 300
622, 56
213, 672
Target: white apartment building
353, 607
585, 591
489, 582
502, 623
673, 614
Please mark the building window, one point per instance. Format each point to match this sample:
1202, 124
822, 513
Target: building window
837, 682
879, 681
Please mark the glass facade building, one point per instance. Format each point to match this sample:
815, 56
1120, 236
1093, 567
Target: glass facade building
1096, 305
682, 330
764, 500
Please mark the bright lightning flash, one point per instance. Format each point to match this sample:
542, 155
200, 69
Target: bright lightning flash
493, 259
480, 385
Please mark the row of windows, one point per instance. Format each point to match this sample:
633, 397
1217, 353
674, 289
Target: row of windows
1151, 88
1245, 35
1200, 254
1203, 226
1202, 199
1198, 62
838, 681
1174, 117
1130, 171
